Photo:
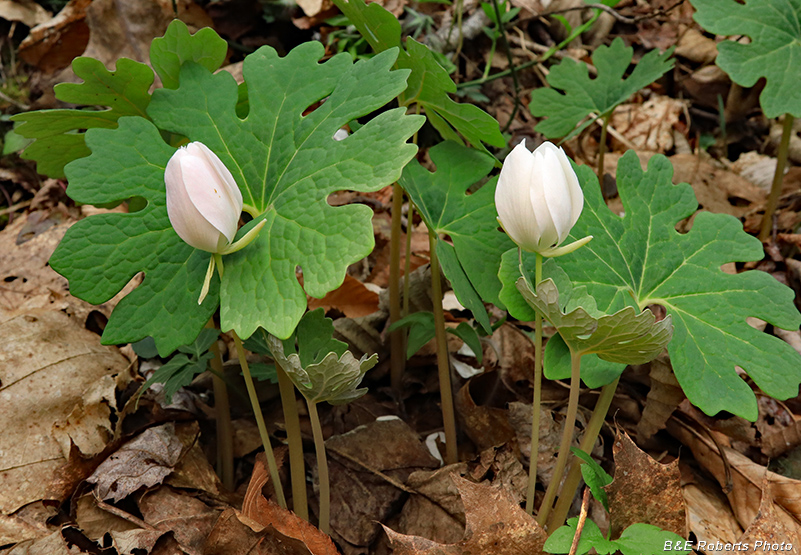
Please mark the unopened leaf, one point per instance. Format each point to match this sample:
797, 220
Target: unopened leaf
334, 379
583, 96
628, 336
774, 27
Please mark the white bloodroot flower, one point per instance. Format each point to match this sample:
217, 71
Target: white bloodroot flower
539, 199
204, 204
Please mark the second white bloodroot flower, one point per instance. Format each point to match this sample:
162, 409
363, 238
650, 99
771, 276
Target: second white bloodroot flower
204, 204
539, 199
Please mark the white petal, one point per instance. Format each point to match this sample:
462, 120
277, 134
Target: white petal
207, 193
188, 222
574, 189
557, 196
512, 198
231, 187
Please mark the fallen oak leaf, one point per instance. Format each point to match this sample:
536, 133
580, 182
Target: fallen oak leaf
142, 462
644, 490
494, 523
268, 514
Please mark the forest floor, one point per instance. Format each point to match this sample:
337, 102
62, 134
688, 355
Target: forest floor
97, 469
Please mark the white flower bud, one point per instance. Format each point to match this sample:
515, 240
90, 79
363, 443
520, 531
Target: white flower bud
538, 199
203, 200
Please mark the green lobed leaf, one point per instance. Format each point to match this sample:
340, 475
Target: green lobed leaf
124, 91
58, 141
101, 254
468, 219
774, 27
595, 372
628, 336
202, 344
637, 539
177, 46
286, 165
429, 83
469, 335
591, 538
640, 259
583, 96
334, 379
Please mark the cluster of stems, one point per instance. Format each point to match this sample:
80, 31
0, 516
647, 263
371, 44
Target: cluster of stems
552, 516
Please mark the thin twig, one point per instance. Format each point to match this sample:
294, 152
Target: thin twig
511, 62
125, 515
585, 505
14, 208
617, 15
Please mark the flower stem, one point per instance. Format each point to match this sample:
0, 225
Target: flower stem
322, 468
776, 188
222, 409
443, 364
265, 437
297, 469
397, 355
567, 438
590, 435
535, 404
602, 149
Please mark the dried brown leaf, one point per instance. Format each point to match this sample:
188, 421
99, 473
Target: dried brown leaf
767, 534
485, 421
351, 298
234, 533
53, 544
366, 465
189, 519
269, 514
663, 398
48, 366
495, 524
709, 515
742, 478
142, 462
644, 490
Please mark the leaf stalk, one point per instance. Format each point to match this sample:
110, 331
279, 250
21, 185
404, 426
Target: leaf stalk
265, 437
537, 398
567, 437
776, 188
443, 364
